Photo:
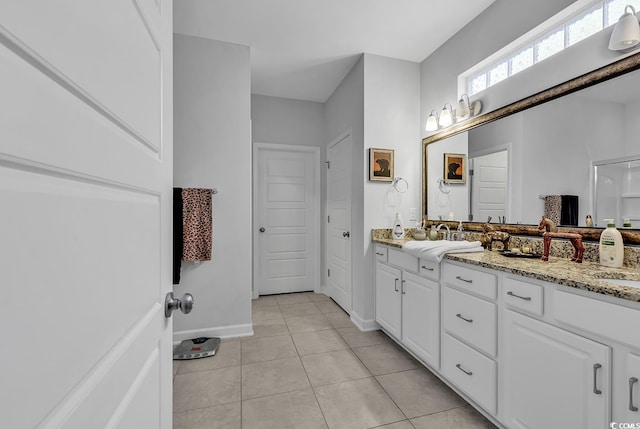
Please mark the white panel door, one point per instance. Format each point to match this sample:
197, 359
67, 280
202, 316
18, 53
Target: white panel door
286, 219
85, 226
339, 222
489, 192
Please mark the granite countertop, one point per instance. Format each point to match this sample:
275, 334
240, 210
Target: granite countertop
586, 276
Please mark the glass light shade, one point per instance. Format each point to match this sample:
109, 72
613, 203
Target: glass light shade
463, 111
432, 121
626, 33
446, 116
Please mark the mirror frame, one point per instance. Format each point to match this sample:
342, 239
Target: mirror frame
602, 74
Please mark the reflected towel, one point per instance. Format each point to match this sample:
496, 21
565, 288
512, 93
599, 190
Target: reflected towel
197, 222
177, 234
435, 250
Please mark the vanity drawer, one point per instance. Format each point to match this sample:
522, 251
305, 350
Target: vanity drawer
471, 319
473, 373
523, 296
476, 282
381, 253
403, 260
430, 269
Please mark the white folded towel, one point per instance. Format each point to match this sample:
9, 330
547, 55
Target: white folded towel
435, 250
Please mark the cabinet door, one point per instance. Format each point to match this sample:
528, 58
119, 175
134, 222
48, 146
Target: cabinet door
552, 378
421, 317
628, 390
388, 299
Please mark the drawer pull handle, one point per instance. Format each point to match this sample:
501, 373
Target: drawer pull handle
404, 292
463, 370
460, 316
596, 367
396, 284
379, 254
632, 381
526, 298
426, 268
464, 280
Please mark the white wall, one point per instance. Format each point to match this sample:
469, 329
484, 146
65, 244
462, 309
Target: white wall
391, 121
213, 149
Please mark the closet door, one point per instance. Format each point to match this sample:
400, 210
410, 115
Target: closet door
85, 188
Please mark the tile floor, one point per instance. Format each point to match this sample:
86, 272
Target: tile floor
308, 367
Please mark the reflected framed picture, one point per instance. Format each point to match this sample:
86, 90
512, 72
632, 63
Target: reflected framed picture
381, 165
455, 168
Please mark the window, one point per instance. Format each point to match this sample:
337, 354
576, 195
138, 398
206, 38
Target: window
592, 18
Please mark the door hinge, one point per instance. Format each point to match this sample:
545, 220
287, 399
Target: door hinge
328, 273
471, 172
328, 164
328, 219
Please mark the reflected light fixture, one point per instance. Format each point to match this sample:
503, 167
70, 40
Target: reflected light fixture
626, 33
432, 121
446, 116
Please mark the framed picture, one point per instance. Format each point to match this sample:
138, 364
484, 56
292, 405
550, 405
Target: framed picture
455, 168
381, 165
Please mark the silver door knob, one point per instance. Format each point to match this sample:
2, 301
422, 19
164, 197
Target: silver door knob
184, 304
261, 229
346, 234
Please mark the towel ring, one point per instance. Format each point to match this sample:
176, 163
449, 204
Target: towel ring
441, 186
400, 185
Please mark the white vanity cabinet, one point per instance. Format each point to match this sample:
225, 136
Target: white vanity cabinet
552, 378
408, 303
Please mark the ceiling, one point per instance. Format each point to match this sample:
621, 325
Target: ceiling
302, 49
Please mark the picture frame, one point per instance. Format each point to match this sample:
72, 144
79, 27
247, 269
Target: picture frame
454, 170
381, 168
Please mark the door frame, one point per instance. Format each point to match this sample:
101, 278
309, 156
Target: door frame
314, 231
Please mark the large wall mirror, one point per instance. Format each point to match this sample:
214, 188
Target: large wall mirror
580, 138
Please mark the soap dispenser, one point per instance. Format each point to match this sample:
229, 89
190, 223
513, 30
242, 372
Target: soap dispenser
460, 235
611, 246
397, 231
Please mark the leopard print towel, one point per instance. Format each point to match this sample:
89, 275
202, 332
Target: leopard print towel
197, 223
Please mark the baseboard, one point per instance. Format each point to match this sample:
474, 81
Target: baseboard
231, 331
364, 325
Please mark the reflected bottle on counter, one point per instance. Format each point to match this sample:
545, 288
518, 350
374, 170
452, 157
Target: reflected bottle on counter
433, 234
588, 221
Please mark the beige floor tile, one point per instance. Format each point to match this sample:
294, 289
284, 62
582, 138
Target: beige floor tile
298, 409
318, 341
268, 328
418, 392
406, 424
268, 348
228, 354
275, 376
333, 367
356, 338
295, 310
329, 307
318, 297
206, 388
308, 323
292, 298
460, 418
217, 417
265, 313
357, 404
339, 319
385, 358
264, 301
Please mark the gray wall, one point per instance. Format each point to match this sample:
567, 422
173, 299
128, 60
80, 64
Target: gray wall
213, 149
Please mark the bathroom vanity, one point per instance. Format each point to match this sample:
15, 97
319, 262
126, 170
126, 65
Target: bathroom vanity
531, 344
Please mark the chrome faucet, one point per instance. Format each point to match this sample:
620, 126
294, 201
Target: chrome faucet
448, 235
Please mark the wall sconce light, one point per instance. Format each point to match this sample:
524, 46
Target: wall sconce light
626, 33
446, 116
432, 121
466, 109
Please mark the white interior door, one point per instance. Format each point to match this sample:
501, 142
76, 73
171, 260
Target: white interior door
339, 222
85, 190
489, 190
286, 217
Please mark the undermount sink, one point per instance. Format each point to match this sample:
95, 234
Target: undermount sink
623, 282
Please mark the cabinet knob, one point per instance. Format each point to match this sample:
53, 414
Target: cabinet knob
596, 367
632, 381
